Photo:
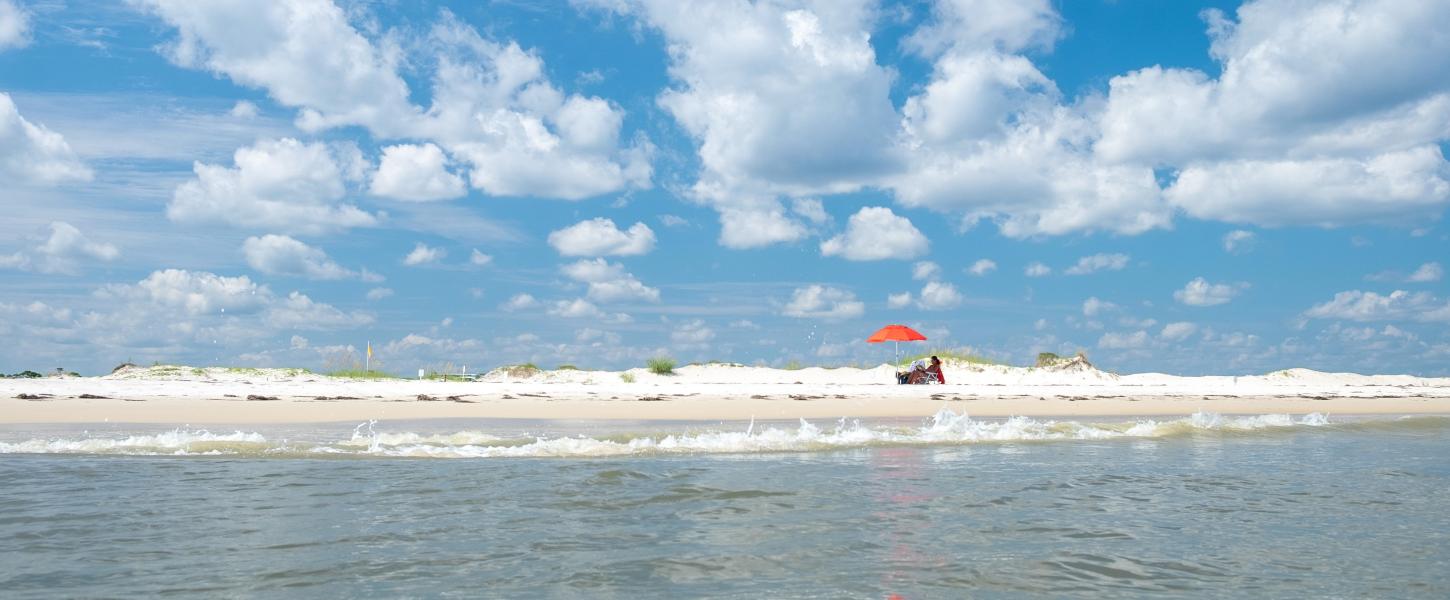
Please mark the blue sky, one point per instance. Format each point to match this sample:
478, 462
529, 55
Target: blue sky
1189, 187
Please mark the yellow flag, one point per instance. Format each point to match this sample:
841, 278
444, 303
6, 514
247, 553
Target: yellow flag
370, 349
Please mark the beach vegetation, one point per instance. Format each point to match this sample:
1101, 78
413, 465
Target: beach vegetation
626, 377
522, 371
662, 365
794, 365
27, 374
361, 374
566, 368
718, 362
955, 355
1047, 359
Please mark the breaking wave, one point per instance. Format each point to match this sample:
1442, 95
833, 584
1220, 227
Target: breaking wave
946, 428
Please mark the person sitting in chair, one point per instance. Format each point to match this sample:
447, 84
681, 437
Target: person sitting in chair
918, 374
935, 370
910, 375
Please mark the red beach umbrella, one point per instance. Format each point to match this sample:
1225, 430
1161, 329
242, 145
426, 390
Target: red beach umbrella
898, 334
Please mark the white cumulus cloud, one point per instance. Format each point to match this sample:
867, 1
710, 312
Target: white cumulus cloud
692, 333
810, 209
1037, 269
1306, 125
756, 222
281, 184
1200, 292
1427, 273
1177, 330
423, 254
1093, 306
936, 295
1098, 262
982, 267
200, 305
492, 106
823, 302
580, 308
601, 237
30, 153
1393, 187
14, 25
876, 233
1238, 241
925, 270
764, 88
520, 302
608, 282
62, 251
495, 109
282, 255
416, 172
479, 259
1399, 305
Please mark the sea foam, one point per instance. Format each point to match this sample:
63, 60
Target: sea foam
945, 428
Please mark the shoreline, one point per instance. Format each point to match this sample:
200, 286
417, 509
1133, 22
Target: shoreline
668, 407
695, 394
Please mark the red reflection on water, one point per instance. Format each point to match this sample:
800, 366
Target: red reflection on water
896, 475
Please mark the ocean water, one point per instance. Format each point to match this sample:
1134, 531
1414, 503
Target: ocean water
951, 507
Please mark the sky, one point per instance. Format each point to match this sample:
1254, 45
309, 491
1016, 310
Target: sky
1183, 187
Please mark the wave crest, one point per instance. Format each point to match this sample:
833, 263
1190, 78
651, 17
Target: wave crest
945, 428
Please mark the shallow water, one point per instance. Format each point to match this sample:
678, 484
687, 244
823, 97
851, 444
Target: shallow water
954, 507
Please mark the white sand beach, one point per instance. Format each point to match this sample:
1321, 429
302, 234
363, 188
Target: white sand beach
186, 395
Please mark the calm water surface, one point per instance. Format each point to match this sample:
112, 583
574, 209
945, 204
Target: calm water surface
1341, 510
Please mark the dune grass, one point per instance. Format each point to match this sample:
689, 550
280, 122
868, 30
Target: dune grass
950, 355
520, 371
663, 365
362, 374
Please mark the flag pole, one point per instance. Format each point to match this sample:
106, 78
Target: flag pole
368, 362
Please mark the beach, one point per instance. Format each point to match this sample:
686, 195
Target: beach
718, 392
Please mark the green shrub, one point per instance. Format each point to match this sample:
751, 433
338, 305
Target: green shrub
663, 365
566, 368
626, 377
1047, 359
794, 365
